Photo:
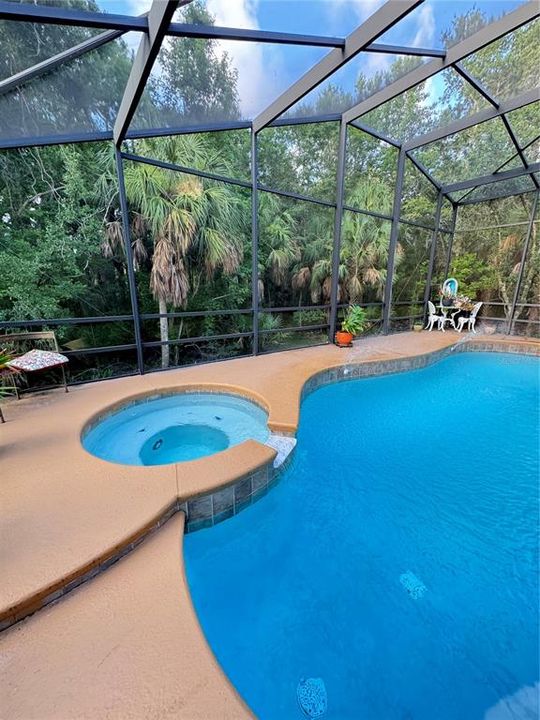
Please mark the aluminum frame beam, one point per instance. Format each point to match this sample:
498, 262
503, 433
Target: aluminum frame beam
515, 155
184, 169
336, 247
488, 34
210, 32
61, 139
223, 179
513, 138
493, 178
500, 167
425, 172
54, 61
381, 20
159, 19
517, 147
477, 85
132, 283
433, 249
394, 143
46, 14
521, 100
82, 18
451, 241
375, 133
327, 117
517, 289
462, 197
25, 12
511, 193
404, 50
136, 134
255, 300
394, 234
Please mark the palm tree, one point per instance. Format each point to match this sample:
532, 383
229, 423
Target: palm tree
187, 228
364, 254
278, 244
364, 251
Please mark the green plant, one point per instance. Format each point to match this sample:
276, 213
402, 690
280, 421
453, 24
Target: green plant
5, 357
5, 390
354, 321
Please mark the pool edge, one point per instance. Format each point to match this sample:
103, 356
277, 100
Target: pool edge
251, 491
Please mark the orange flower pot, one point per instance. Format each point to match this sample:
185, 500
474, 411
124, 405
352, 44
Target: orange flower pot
344, 339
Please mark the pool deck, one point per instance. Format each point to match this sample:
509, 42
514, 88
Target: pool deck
127, 644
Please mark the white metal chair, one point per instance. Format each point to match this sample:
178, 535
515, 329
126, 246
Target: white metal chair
471, 320
453, 319
434, 318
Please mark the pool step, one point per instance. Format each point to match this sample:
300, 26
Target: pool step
283, 445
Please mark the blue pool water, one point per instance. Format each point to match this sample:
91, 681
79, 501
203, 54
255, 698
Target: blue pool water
396, 559
176, 427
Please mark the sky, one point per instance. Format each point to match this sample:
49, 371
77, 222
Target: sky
265, 71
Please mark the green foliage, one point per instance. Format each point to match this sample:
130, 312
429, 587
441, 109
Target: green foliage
310, 317
61, 238
5, 357
475, 275
51, 235
73, 97
354, 321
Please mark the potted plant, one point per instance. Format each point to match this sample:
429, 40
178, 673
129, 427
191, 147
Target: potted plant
353, 324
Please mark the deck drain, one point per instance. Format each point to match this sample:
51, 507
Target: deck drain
311, 694
413, 585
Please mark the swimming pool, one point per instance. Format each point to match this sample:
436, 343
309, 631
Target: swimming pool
175, 427
397, 557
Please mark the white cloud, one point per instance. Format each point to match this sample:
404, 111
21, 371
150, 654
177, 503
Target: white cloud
426, 27
132, 40
432, 92
377, 62
240, 13
254, 78
138, 7
340, 13
135, 7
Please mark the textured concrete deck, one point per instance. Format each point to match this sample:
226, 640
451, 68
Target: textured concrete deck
126, 644
64, 510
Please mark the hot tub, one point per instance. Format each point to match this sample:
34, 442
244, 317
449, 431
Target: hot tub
174, 427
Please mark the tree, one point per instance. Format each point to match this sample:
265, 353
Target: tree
50, 236
365, 243
185, 227
196, 83
487, 252
81, 95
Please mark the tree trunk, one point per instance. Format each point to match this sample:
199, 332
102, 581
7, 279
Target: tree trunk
164, 333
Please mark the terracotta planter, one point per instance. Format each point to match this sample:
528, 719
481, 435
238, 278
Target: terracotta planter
344, 339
